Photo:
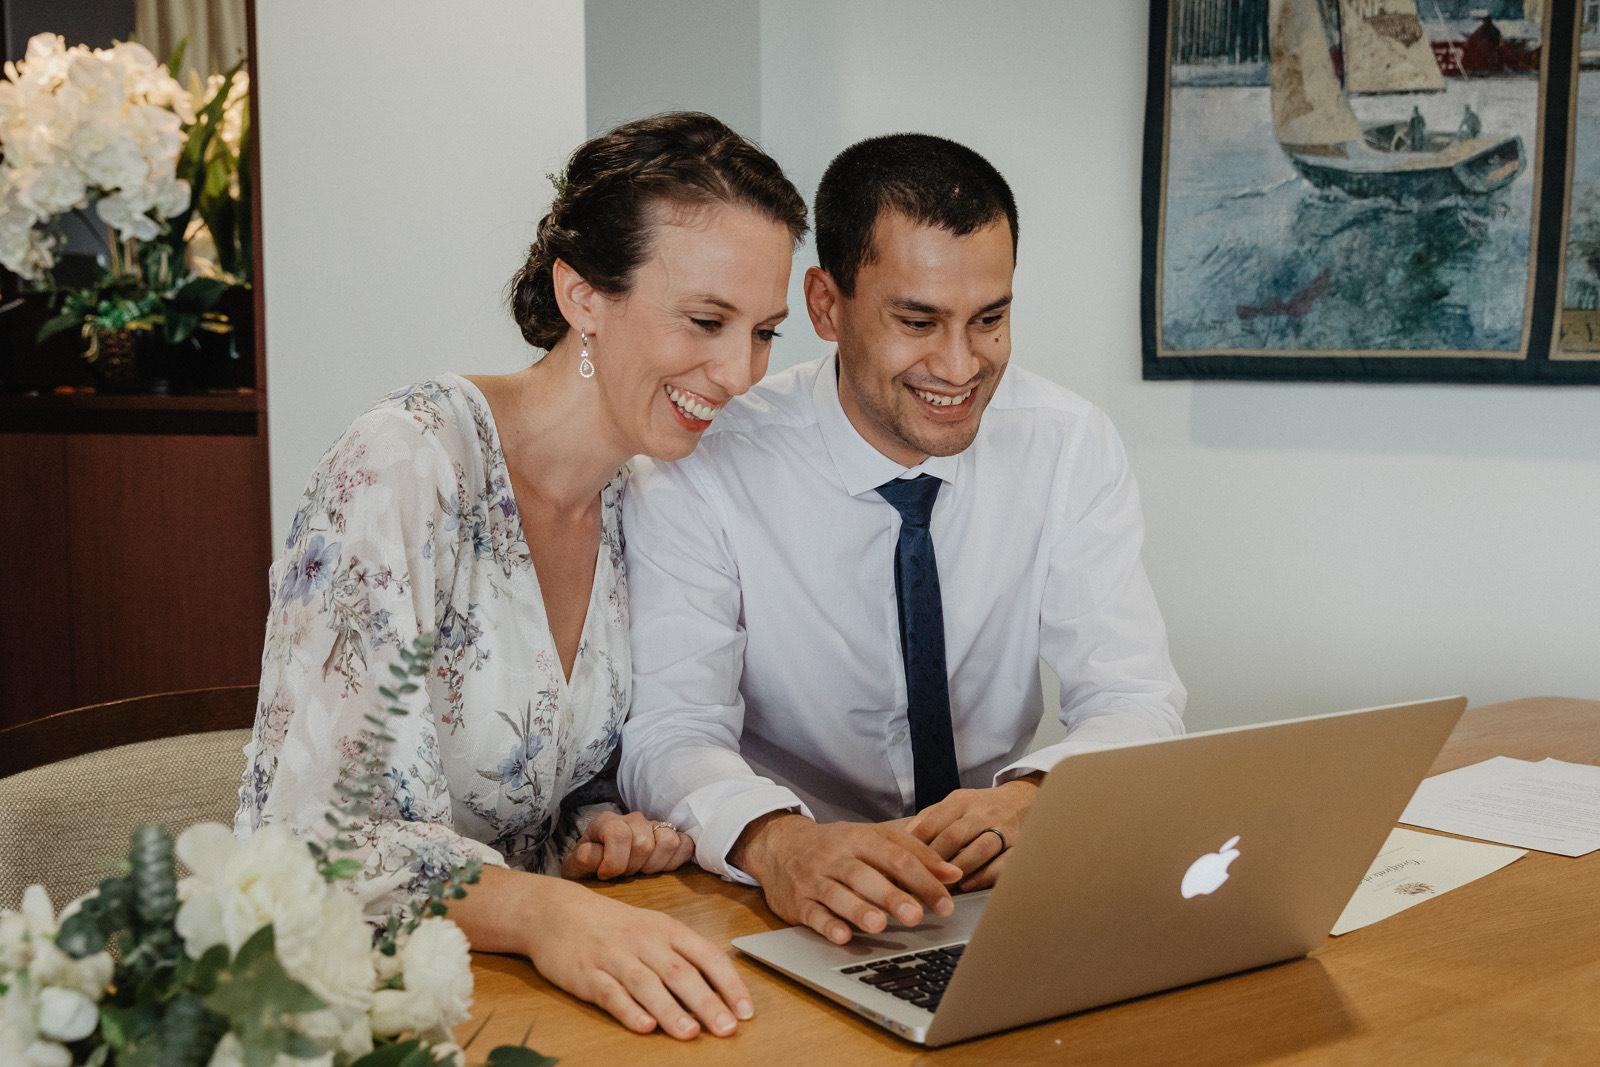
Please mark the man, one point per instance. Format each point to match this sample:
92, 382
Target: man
839, 601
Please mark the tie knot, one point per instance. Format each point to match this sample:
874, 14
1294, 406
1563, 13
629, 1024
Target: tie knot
912, 497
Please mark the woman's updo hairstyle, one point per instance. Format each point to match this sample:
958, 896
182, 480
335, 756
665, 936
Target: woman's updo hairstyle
600, 224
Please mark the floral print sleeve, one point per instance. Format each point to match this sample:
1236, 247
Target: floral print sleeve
408, 526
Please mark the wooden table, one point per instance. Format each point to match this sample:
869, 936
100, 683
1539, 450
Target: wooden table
1504, 970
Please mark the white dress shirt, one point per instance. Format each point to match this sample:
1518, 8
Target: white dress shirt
765, 627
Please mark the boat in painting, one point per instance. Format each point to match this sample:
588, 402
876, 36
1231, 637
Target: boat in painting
1385, 51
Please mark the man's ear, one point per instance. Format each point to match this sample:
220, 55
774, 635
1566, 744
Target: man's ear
578, 300
824, 303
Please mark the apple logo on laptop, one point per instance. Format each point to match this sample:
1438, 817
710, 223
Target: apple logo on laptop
1211, 870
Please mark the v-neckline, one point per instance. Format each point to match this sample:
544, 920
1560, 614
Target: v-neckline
476, 396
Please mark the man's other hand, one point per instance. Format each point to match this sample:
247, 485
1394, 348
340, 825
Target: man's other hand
835, 876
955, 828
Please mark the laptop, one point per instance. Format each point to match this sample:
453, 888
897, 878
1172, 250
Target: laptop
1140, 868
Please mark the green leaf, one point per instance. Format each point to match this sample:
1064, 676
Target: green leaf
67, 320
254, 993
410, 1053
175, 60
202, 973
519, 1056
341, 869
189, 1033
198, 294
181, 326
114, 1025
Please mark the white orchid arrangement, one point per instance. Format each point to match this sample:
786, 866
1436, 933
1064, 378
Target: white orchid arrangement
259, 958
112, 130
77, 123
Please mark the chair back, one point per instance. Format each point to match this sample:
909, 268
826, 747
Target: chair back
75, 784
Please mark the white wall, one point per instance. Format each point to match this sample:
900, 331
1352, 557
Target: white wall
646, 57
1314, 547
404, 145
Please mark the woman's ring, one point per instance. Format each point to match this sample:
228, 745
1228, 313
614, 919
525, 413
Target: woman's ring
997, 833
674, 829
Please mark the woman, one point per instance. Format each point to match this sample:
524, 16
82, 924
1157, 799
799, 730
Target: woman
485, 509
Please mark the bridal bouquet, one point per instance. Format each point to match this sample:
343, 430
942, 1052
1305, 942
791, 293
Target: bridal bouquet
260, 957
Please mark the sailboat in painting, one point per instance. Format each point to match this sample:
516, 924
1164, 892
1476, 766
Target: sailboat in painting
1385, 51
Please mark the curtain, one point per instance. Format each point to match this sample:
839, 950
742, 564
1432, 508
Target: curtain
215, 29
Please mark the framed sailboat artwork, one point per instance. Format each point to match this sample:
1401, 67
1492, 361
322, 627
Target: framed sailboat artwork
1368, 190
1579, 335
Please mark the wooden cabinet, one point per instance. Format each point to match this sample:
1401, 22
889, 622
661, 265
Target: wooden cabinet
130, 562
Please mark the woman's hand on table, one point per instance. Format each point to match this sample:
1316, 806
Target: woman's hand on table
615, 845
643, 967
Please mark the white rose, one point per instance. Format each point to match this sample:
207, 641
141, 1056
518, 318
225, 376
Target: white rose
319, 933
89, 976
437, 972
20, 1042
385, 966
22, 932
437, 965
117, 165
46, 1054
66, 1014
27, 941
448, 1052
229, 1054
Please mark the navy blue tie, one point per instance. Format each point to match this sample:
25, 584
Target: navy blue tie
916, 586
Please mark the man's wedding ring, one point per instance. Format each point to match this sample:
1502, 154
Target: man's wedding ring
997, 833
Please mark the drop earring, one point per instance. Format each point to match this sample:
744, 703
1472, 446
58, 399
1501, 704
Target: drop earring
585, 367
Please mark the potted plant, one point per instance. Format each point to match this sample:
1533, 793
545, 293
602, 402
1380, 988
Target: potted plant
110, 137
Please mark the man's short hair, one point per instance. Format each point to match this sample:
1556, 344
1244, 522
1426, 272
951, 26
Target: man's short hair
931, 180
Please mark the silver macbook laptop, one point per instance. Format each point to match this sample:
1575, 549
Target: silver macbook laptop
1140, 868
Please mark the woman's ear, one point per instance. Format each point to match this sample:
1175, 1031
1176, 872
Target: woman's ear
578, 300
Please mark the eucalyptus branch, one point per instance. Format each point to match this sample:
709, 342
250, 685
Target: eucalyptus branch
361, 781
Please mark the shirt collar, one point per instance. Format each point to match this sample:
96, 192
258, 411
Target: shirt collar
862, 468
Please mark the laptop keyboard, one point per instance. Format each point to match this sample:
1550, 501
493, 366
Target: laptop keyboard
917, 977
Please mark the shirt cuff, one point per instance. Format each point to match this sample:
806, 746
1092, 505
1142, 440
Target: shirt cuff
716, 815
1103, 730
1044, 760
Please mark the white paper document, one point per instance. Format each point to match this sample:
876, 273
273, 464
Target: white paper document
1551, 805
1413, 867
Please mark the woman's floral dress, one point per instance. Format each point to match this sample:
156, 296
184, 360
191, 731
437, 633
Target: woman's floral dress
409, 525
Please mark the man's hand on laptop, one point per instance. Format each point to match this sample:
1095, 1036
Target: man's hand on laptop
835, 876
958, 827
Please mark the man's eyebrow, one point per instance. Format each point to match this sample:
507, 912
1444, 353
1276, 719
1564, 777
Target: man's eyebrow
915, 307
